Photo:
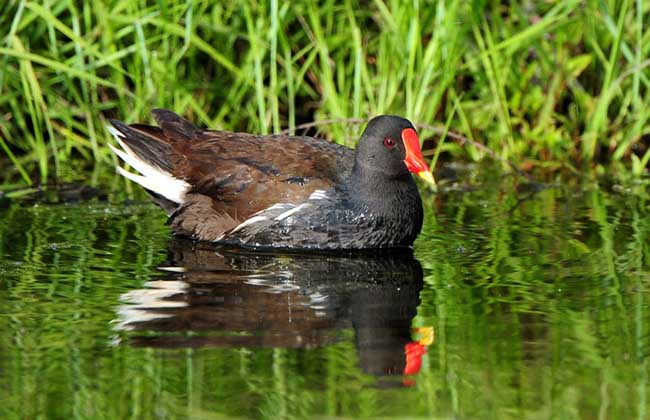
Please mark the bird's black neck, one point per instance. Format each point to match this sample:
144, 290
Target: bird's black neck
390, 197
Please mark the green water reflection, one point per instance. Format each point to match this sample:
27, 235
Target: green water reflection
537, 299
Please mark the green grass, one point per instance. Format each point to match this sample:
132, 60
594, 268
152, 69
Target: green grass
553, 83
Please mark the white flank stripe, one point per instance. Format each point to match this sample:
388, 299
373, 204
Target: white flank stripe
318, 195
247, 222
279, 206
291, 211
152, 178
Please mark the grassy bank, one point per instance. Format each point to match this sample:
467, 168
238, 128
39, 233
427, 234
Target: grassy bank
547, 83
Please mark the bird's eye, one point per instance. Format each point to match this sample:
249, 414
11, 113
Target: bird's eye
388, 142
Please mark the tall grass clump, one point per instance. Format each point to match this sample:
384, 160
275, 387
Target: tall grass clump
562, 83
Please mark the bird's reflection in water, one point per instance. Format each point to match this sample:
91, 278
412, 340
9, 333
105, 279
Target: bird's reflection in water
214, 297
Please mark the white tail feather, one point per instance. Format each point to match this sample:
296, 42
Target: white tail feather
152, 177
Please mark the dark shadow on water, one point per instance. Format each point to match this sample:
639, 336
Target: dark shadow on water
211, 297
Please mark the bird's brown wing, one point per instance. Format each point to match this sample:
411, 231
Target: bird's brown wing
231, 176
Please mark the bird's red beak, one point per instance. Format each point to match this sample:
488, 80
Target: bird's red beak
414, 160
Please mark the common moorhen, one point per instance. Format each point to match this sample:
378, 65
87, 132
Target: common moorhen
280, 192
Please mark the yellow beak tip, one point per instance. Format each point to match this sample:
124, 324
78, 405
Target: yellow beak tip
428, 177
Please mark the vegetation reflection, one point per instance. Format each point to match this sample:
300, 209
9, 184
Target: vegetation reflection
536, 295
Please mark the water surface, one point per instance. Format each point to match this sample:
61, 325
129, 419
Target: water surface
521, 300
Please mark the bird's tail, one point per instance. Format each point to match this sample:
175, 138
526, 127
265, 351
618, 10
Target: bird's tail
149, 151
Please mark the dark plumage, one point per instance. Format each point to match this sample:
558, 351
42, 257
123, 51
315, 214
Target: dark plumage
280, 191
